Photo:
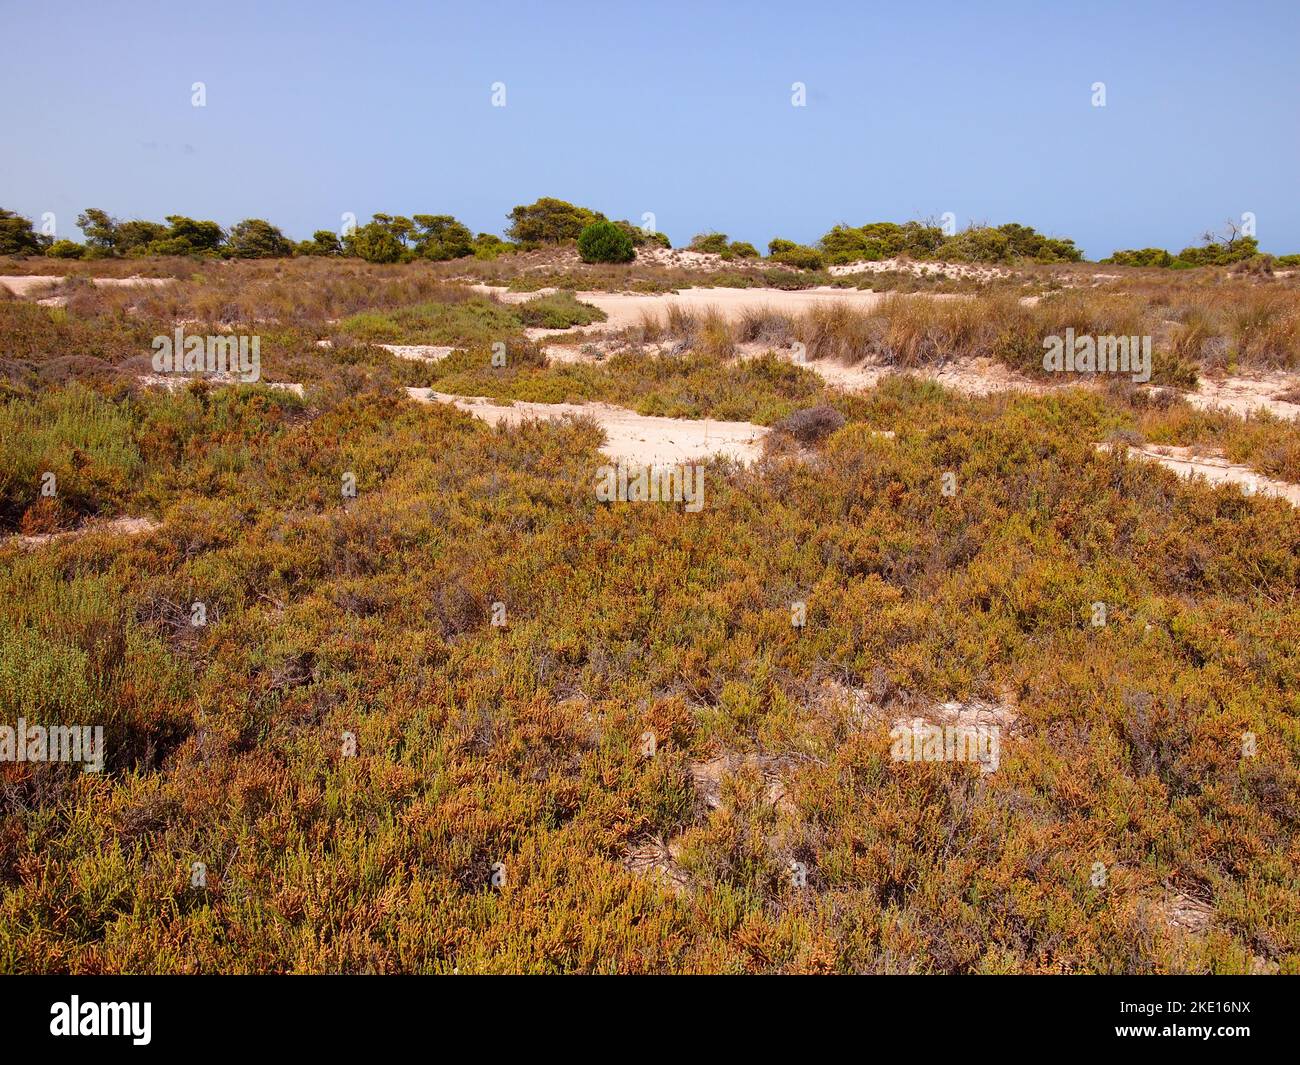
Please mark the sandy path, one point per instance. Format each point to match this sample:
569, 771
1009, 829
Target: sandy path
24, 285
1189, 462
630, 437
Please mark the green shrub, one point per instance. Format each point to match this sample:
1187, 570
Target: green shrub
1140, 257
640, 237
255, 238
604, 242
559, 310
792, 254
17, 236
375, 243
440, 237
323, 242
66, 249
463, 323
489, 246
1220, 251
716, 243
549, 221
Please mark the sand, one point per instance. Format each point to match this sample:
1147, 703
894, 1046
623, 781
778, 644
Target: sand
625, 309
630, 437
25, 285
1190, 462
111, 526
962, 271
178, 381
1247, 394
418, 352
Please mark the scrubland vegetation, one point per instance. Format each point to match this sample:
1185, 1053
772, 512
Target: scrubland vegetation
522, 744
551, 222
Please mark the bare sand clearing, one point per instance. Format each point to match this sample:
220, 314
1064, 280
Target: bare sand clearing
971, 377
1190, 462
920, 269
175, 382
630, 437
418, 352
25, 285
111, 527
625, 309
1248, 394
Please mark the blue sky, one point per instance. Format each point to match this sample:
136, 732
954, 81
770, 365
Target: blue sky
680, 109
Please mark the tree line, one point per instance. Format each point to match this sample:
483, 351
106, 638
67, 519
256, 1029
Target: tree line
390, 238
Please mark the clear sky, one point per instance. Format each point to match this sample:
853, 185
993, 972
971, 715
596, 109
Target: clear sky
682, 109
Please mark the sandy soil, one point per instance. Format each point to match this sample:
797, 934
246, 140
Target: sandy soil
25, 285
921, 269
1247, 394
1191, 462
684, 259
625, 309
174, 382
418, 352
630, 437
971, 377
113, 527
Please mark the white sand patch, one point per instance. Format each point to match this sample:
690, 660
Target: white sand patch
707, 778
685, 259
971, 377
418, 352
626, 309
1189, 462
506, 295
864, 709
630, 437
25, 285
957, 271
175, 382
110, 527
1247, 394
657, 860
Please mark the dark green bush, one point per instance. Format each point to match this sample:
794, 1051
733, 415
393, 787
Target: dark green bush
604, 242
17, 236
255, 238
